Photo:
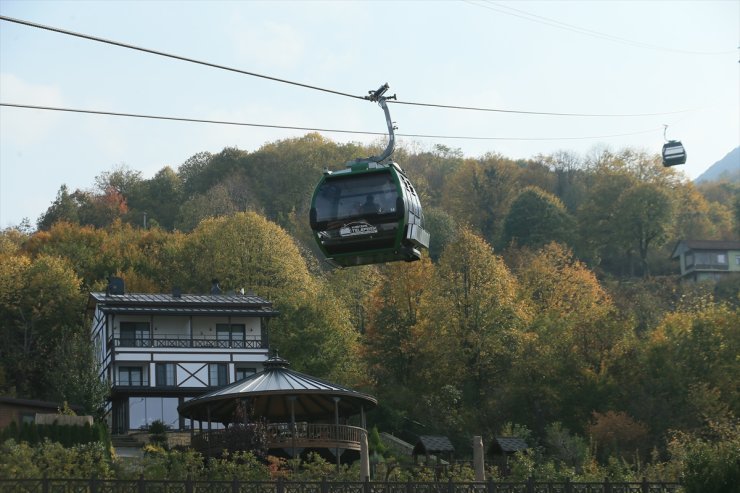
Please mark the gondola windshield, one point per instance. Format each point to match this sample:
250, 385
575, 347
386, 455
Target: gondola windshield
356, 197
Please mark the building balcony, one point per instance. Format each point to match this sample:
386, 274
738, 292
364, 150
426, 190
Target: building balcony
183, 341
697, 267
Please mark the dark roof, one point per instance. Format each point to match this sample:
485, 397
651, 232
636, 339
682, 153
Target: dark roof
507, 445
686, 245
271, 392
32, 403
186, 304
429, 444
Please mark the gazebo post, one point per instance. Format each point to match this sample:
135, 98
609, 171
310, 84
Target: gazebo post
292, 399
210, 436
336, 429
364, 457
364, 449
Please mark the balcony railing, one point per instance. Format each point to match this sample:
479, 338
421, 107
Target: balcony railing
710, 267
189, 342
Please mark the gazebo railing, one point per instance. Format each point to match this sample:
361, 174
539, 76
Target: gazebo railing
282, 435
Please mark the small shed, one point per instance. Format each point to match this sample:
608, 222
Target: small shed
428, 445
507, 445
502, 448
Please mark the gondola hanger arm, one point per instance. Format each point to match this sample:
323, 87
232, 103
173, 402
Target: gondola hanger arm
379, 97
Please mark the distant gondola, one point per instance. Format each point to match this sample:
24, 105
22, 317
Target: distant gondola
673, 153
368, 213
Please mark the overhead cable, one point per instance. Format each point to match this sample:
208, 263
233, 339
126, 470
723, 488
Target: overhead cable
313, 129
543, 113
176, 57
331, 91
522, 14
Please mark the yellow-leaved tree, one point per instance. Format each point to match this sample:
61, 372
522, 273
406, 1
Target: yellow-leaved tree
247, 251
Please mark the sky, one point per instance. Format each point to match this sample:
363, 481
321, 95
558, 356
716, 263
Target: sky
674, 63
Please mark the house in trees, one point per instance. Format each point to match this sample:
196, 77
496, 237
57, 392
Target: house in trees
159, 350
22, 411
705, 260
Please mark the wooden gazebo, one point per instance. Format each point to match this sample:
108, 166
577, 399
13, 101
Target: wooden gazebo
298, 413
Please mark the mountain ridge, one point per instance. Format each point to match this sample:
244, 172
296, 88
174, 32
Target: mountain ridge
726, 168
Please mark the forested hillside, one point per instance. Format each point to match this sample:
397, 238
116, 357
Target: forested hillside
548, 301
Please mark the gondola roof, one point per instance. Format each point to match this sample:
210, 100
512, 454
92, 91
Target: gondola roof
270, 392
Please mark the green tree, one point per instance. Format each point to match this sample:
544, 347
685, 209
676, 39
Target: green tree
570, 345
710, 462
442, 230
121, 179
64, 208
191, 169
600, 241
537, 218
100, 210
40, 301
478, 193
685, 371
159, 198
391, 343
216, 202
86, 248
568, 169
248, 251
76, 375
469, 330
644, 219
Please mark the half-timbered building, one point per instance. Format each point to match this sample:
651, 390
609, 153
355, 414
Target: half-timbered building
157, 351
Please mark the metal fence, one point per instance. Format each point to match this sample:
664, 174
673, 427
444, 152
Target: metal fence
141, 485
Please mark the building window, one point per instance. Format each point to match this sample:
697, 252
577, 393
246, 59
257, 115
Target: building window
143, 411
217, 376
132, 376
135, 334
711, 259
165, 374
27, 418
737, 259
243, 372
230, 335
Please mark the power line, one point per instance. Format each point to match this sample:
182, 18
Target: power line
313, 129
331, 91
497, 7
541, 113
176, 57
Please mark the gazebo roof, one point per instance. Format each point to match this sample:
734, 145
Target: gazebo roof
277, 393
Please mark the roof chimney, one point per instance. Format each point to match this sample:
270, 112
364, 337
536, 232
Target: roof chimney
176, 292
115, 286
